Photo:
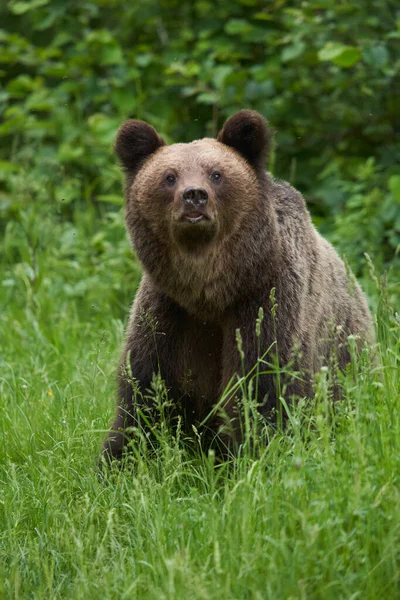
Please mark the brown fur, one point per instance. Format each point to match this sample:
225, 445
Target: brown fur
203, 282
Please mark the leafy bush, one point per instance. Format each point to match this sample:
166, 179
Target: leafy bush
324, 73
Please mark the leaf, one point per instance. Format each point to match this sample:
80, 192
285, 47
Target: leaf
394, 187
103, 127
348, 58
238, 27
68, 191
208, 98
124, 100
339, 54
111, 198
255, 90
62, 38
220, 74
263, 16
22, 84
293, 51
53, 17
330, 51
376, 56
6, 168
143, 60
112, 56
40, 100
68, 152
19, 8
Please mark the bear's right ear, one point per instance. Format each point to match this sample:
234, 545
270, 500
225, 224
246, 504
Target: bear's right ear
135, 142
250, 135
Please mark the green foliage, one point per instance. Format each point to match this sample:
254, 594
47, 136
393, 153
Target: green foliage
372, 215
325, 73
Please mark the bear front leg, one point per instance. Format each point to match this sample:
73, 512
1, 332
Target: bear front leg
150, 349
126, 416
244, 342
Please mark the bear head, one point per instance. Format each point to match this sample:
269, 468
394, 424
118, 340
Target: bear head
196, 193
195, 210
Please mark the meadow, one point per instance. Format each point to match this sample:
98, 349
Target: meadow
313, 514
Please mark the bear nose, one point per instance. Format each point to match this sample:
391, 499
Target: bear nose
194, 197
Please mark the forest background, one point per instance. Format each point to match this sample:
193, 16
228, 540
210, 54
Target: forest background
326, 75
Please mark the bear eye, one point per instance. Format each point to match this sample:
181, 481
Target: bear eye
170, 179
216, 176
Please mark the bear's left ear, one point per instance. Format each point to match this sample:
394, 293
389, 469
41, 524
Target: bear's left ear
136, 141
248, 133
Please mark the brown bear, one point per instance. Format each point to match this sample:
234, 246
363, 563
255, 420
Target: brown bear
215, 234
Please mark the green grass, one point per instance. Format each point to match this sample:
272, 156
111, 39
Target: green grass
316, 514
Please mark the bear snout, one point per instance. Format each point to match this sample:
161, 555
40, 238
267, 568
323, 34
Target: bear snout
194, 198
193, 205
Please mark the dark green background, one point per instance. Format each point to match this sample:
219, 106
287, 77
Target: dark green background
325, 73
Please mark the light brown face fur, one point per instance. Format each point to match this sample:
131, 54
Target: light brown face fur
156, 194
193, 248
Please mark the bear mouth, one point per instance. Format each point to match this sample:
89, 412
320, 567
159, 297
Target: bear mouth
194, 217
194, 229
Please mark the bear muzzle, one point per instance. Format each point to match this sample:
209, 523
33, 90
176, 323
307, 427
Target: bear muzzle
194, 201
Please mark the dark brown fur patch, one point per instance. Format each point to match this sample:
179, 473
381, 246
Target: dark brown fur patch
248, 133
136, 141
